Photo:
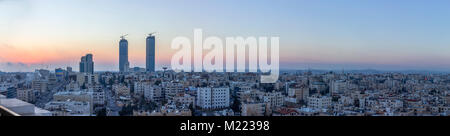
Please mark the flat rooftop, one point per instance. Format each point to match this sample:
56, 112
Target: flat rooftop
22, 108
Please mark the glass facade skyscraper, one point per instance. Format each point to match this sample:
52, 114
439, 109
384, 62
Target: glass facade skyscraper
150, 53
123, 55
87, 64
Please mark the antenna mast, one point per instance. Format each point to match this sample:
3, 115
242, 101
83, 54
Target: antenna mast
123, 36
152, 34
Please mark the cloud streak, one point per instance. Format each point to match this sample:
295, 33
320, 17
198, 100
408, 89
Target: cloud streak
14, 67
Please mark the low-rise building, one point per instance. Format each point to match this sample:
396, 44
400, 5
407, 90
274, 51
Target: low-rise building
121, 90
28, 95
319, 102
256, 109
80, 96
69, 108
184, 99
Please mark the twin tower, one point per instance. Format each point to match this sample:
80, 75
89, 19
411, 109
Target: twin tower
124, 64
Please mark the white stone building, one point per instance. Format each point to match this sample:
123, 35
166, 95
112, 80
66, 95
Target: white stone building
213, 98
319, 102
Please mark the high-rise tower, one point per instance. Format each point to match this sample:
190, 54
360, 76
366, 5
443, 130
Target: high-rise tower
87, 64
150, 53
123, 54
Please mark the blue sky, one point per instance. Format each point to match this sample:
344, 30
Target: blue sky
325, 34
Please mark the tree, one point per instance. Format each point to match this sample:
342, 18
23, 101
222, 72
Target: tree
356, 103
131, 88
122, 79
150, 106
111, 81
18, 77
127, 110
158, 82
83, 86
101, 112
191, 107
236, 105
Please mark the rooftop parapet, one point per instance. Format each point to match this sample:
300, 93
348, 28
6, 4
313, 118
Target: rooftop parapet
15, 107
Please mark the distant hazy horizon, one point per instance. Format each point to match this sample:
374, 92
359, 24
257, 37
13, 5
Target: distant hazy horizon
288, 70
320, 34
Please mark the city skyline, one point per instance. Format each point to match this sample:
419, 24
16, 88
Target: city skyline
386, 35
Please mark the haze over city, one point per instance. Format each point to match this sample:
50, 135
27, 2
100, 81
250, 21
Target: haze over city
347, 34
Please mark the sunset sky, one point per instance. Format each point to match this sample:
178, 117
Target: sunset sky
322, 34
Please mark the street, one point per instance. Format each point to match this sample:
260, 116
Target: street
111, 107
46, 97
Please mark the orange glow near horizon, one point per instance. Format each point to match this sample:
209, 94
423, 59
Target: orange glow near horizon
45, 54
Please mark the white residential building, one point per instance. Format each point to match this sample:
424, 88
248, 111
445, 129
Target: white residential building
98, 97
27, 95
86, 78
300, 94
338, 86
184, 99
319, 102
171, 89
121, 90
73, 86
81, 96
141, 87
213, 98
40, 85
69, 108
255, 109
276, 99
150, 91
